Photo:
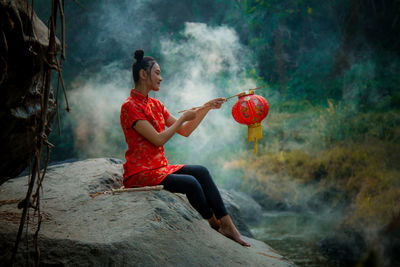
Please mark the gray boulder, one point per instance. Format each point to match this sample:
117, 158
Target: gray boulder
145, 228
250, 211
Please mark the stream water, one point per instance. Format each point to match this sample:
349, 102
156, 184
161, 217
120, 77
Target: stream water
295, 235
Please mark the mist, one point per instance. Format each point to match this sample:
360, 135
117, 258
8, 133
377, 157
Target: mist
207, 62
200, 61
332, 130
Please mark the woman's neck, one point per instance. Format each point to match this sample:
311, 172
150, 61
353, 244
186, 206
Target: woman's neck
142, 89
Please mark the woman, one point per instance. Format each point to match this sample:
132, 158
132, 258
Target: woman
143, 120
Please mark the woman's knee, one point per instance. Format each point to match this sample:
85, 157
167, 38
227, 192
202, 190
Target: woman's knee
204, 176
202, 171
192, 185
181, 183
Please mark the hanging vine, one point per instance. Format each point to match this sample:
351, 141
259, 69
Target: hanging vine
53, 62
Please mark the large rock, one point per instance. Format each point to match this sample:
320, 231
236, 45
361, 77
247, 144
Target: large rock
248, 208
127, 229
23, 46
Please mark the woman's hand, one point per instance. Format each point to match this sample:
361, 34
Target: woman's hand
195, 116
215, 103
189, 114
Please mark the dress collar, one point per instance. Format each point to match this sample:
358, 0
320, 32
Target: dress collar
140, 96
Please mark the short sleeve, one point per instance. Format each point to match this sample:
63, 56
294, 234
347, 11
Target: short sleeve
165, 113
163, 109
130, 113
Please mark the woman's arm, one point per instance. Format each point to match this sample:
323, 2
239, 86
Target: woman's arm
159, 139
187, 128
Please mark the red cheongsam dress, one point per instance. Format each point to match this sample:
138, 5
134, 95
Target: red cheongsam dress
145, 163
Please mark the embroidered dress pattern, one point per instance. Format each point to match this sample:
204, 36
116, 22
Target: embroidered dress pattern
145, 163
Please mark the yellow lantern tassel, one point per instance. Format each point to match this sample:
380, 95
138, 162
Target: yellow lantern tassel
254, 133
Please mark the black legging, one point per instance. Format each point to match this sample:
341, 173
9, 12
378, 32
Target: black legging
195, 181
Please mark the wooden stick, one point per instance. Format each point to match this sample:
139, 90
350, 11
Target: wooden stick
134, 189
61, 7
242, 92
188, 109
226, 98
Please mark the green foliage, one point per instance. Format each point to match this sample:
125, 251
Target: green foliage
339, 122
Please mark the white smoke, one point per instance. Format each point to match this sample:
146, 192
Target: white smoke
96, 104
207, 62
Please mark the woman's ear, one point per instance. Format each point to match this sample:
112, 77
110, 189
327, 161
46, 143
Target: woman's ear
142, 74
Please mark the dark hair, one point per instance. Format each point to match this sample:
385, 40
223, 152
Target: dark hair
142, 62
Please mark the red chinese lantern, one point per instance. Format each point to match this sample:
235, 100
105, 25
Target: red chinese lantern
251, 109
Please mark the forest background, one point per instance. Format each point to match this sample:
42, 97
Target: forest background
329, 69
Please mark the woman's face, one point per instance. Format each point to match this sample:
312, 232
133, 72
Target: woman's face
155, 77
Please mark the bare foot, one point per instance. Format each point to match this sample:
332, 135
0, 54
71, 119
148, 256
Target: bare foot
214, 223
229, 230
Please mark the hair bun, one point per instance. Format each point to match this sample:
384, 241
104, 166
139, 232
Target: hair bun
139, 55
